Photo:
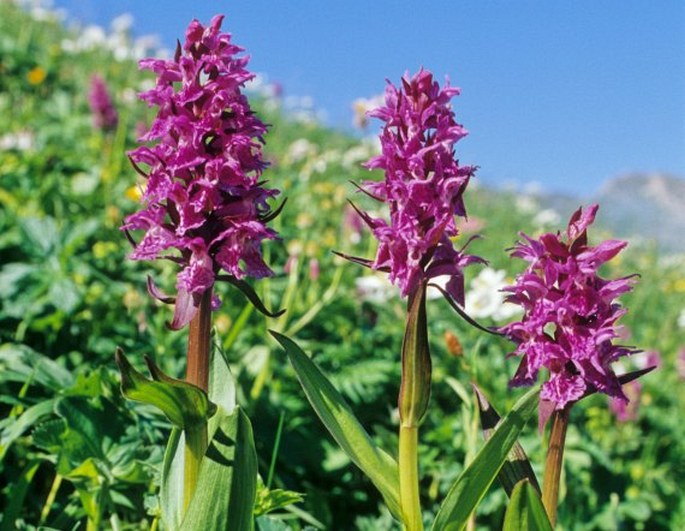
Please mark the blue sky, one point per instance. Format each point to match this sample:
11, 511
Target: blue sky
566, 94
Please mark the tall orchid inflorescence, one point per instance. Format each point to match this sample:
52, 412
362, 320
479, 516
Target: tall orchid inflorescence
203, 196
423, 186
570, 313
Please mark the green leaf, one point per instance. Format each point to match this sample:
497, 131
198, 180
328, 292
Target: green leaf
185, 405
12, 429
472, 484
222, 392
340, 421
269, 500
227, 485
525, 510
171, 490
251, 295
20, 363
517, 466
93, 427
42, 234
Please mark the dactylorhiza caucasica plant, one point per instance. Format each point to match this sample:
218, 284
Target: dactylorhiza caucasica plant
423, 190
568, 329
205, 209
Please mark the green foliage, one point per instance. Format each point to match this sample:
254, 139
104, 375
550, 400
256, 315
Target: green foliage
525, 510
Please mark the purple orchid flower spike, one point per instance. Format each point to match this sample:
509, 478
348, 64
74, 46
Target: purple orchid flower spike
206, 207
423, 186
570, 315
105, 116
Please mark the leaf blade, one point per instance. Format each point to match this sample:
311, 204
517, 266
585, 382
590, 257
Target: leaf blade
227, 484
471, 485
525, 510
343, 426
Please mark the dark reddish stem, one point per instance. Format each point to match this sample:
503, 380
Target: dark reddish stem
199, 342
554, 463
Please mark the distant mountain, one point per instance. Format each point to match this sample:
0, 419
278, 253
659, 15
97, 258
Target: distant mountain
650, 207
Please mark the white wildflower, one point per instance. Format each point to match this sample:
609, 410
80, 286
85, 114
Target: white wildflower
547, 218
485, 299
20, 141
375, 288
300, 150
526, 204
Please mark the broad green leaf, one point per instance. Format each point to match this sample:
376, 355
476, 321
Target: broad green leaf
340, 421
185, 405
19, 363
42, 234
221, 392
470, 487
517, 466
171, 490
221, 382
227, 486
15, 428
525, 511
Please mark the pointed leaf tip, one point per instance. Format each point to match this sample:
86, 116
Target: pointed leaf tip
185, 405
251, 295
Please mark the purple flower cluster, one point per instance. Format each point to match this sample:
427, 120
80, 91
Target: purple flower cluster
570, 313
203, 195
104, 113
423, 186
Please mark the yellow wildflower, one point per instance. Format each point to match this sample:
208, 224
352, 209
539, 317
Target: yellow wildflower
133, 193
36, 75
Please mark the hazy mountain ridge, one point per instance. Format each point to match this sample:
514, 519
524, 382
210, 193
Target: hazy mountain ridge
650, 207
646, 208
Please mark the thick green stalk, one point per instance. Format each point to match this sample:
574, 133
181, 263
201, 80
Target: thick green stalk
554, 463
197, 373
409, 478
412, 404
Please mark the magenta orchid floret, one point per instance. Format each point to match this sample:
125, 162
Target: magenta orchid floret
570, 314
203, 195
423, 187
102, 107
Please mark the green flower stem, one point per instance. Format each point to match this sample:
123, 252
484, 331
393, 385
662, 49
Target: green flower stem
412, 405
409, 478
197, 373
50, 500
554, 463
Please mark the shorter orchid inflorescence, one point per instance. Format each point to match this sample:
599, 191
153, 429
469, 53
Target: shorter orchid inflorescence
570, 313
104, 113
203, 196
423, 186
